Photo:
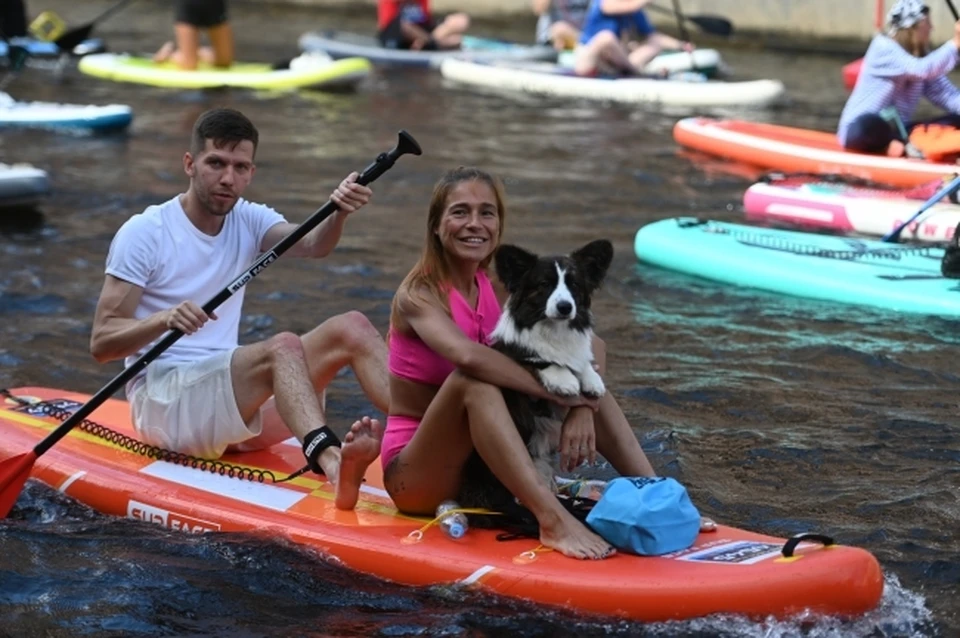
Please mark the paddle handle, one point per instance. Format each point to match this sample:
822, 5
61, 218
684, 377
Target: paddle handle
379, 166
946, 191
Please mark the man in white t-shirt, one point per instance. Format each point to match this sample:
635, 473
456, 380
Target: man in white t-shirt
205, 393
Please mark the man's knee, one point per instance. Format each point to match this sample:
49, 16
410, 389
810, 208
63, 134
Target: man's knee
284, 345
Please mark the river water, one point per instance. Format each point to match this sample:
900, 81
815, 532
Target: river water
780, 415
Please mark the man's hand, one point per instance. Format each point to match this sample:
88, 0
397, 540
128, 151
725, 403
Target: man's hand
187, 317
351, 196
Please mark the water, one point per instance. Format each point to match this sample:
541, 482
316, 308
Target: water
780, 415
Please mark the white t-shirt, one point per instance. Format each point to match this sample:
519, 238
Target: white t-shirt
161, 251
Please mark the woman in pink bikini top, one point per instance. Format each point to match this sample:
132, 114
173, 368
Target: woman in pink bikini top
445, 398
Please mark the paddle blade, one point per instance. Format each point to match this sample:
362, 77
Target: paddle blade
714, 25
69, 40
14, 472
17, 56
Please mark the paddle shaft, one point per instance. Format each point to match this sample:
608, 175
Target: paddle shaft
953, 10
379, 166
69, 40
684, 34
946, 191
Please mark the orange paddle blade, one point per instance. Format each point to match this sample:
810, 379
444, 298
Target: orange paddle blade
14, 472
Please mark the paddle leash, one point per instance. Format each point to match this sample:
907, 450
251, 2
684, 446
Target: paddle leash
946, 191
15, 471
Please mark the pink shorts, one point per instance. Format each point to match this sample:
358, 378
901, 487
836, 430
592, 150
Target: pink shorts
400, 429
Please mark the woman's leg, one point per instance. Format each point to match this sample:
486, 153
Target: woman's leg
870, 133
449, 33
644, 53
603, 47
221, 41
465, 415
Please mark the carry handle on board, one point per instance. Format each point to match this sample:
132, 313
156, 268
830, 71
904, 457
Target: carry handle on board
15, 471
946, 191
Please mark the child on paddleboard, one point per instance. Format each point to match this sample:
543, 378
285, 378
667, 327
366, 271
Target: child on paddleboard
409, 24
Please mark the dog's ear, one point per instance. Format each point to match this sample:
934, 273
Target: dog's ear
594, 259
512, 264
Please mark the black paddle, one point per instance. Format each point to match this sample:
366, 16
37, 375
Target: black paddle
684, 34
714, 25
946, 191
15, 470
953, 10
69, 40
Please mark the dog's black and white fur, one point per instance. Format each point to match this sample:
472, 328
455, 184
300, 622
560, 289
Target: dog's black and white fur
546, 326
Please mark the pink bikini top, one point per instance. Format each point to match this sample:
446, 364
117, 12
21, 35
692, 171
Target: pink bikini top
410, 358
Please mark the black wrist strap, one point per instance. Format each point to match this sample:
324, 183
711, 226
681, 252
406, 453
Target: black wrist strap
314, 443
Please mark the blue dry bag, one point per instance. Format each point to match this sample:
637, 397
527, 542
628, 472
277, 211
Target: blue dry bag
646, 516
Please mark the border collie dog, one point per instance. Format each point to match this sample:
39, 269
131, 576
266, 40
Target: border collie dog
547, 327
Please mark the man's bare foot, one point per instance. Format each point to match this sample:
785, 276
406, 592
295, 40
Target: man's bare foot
361, 447
571, 538
163, 53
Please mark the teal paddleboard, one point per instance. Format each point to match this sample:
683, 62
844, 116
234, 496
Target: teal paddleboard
832, 268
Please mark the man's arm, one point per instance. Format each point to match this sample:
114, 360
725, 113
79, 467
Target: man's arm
320, 242
116, 334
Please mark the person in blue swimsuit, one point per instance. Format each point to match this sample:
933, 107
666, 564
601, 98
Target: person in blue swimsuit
601, 47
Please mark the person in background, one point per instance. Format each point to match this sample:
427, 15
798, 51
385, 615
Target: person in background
601, 45
191, 17
560, 22
897, 70
409, 24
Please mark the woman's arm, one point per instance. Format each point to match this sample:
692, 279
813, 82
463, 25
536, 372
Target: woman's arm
943, 93
887, 59
427, 318
540, 6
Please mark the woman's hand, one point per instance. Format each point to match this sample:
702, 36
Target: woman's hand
578, 440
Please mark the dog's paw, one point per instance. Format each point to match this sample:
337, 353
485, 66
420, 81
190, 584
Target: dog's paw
591, 385
560, 381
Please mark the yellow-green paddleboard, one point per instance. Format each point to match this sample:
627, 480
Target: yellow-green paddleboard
321, 74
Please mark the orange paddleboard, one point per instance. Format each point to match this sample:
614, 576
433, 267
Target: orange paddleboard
727, 571
785, 148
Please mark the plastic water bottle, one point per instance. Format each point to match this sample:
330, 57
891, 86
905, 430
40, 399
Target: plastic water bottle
453, 525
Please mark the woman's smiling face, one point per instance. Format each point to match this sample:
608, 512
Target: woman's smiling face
469, 228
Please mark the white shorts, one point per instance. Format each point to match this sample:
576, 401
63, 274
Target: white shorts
189, 407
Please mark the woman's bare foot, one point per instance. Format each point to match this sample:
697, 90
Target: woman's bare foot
571, 538
163, 53
361, 447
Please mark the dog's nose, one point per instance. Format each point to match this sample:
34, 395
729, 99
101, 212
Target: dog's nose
564, 308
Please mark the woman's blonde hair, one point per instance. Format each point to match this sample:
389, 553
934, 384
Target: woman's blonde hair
909, 39
431, 270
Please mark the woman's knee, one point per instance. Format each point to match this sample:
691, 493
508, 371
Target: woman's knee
474, 392
458, 22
